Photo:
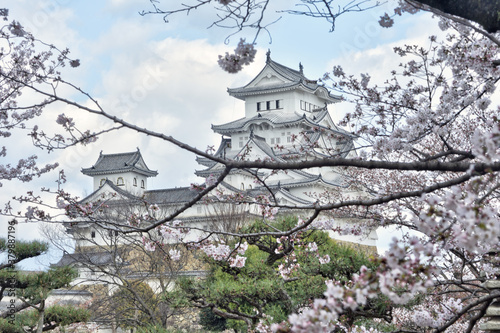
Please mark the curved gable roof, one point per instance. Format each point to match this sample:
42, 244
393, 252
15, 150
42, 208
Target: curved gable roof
110, 187
280, 119
285, 79
119, 163
170, 195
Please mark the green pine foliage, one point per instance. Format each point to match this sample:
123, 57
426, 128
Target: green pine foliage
23, 249
32, 289
8, 327
246, 293
37, 286
55, 316
211, 321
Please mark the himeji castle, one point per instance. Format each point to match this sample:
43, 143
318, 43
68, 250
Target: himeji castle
286, 118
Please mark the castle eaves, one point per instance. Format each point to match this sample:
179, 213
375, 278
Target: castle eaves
119, 163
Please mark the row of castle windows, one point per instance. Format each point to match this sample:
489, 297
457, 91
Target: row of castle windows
283, 134
308, 106
270, 105
110, 233
120, 182
242, 187
273, 140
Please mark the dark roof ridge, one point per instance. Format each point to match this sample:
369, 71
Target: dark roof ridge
119, 163
168, 189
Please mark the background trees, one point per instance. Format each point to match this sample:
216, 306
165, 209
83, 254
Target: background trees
30, 290
127, 279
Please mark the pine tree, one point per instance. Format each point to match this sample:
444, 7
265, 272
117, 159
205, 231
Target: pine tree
30, 290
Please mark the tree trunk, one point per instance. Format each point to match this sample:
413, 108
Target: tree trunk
41, 315
484, 12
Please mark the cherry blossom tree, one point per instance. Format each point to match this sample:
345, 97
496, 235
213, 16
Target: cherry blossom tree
428, 155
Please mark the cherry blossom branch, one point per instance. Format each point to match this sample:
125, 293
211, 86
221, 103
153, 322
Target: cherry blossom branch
466, 309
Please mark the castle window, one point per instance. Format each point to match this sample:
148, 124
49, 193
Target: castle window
143, 184
272, 141
135, 181
270, 105
278, 140
92, 234
102, 182
120, 181
242, 186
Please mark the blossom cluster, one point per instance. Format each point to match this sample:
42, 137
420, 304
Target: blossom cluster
166, 234
223, 252
244, 54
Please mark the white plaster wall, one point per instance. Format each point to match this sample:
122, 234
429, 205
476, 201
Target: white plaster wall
128, 178
287, 99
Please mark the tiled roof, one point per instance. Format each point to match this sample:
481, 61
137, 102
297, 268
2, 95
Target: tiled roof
286, 193
224, 148
288, 183
141, 275
277, 118
170, 195
118, 163
293, 79
278, 189
88, 258
215, 168
115, 188
262, 144
70, 292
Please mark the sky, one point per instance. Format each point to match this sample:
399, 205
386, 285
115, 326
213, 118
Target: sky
165, 77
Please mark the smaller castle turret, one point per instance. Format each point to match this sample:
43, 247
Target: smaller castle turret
126, 170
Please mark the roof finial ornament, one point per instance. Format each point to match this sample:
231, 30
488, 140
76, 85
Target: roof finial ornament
301, 68
268, 56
